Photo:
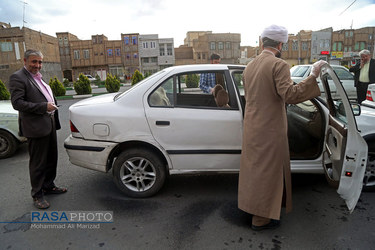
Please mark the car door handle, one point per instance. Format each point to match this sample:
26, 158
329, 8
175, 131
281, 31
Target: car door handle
162, 123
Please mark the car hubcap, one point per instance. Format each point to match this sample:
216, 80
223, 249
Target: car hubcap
3, 144
369, 179
138, 174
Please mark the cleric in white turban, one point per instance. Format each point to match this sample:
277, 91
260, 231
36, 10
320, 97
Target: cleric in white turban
265, 183
276, 33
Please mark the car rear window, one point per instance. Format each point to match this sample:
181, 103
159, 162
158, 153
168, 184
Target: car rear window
300, 71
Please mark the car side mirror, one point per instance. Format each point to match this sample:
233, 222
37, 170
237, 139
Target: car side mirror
356, 109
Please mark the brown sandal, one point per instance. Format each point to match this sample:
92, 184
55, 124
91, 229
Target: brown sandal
55, 190
41, 203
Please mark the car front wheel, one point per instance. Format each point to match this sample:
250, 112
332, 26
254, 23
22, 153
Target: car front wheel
8, 144
139, 173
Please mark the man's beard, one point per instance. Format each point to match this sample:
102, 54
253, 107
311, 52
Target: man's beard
278, 53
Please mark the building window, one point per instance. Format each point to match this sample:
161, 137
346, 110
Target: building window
60, 41
339, 46
154, 59
294, 45
145, 60
128, 56
135, 55
76, 54
4, 67
359, 46
169, 49
221, 45
118, 52
162, 52
6, 46
134, 40
227, 45
145, 45
326, 43
305, 46
334, 46
212, 46
65, 41
86, 54
126, 40
285, 47
153, 44
109, 52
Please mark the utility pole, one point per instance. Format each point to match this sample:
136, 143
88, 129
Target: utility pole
23, 18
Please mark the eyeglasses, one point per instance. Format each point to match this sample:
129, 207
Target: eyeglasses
36, 61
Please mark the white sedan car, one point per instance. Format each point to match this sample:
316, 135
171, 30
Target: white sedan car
166, 125
370, 97
300, 72
9, 137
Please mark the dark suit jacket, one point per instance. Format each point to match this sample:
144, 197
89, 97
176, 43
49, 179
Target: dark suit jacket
28, 99
357, 70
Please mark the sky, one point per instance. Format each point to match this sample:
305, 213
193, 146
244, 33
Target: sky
174, 18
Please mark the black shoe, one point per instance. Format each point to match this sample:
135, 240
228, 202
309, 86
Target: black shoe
271, 225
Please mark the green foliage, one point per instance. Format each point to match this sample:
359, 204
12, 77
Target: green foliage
4, 93
192, 81
112, 84
147, 74
137, 77
66, 83
82, 86
97, 77
57, 87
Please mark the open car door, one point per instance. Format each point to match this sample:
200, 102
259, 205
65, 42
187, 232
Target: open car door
345, 154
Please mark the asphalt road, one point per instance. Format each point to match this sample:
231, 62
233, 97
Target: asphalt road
190, 212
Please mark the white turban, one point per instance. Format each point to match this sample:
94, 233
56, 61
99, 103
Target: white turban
276, 33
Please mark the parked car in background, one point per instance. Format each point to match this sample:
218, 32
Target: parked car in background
300, 72
370, 97
9, 138
161, 127
90, 77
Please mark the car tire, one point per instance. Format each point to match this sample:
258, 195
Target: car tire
8, 144
369, 179
139, 173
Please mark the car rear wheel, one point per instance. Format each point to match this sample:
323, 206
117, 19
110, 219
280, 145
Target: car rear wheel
8, 144
139, 173
369, 180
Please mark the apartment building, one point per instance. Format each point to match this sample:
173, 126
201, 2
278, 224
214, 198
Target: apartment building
205, 43
64, 39
130, 50
14, 41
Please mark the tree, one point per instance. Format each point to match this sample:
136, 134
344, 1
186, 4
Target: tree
57, 87
82, 86
137, 77
192, 81
4, 93
112, 84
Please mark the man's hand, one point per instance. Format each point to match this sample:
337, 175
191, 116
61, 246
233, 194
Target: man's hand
51, 107
315, 71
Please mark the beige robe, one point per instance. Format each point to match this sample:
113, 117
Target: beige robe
265, 162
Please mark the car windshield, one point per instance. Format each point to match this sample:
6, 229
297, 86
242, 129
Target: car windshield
299, 71
343, 74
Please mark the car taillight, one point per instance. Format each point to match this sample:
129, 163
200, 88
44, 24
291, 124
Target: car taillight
369, 96
73, 128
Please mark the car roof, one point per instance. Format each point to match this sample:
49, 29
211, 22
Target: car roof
198, 67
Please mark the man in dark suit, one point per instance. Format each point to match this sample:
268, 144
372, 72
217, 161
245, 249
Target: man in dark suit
364, 74
38, 122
